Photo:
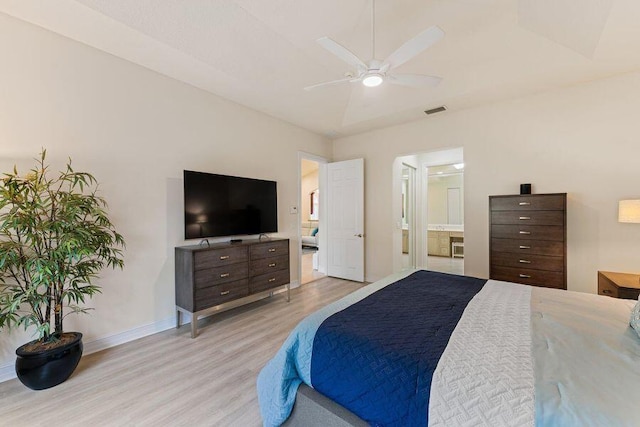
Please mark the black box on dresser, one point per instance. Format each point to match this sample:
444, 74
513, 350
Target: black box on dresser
528, 239
208, 277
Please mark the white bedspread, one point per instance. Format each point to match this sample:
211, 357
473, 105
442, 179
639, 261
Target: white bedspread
586, 360
485, 375
523, 356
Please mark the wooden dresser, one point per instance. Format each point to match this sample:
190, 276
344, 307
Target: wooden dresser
528, 239
210, 278
619, 285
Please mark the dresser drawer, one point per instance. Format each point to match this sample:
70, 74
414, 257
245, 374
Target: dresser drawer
219, 257
528, 218
529, 261
607, 288
267, 265
619, 285
214, 295
553, 202
523, 246
547, 279
269, 249
268, 281
218, 275
534, 232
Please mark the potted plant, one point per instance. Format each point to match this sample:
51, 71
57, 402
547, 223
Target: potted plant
55, 237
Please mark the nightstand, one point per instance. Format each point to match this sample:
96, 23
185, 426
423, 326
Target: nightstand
619, 285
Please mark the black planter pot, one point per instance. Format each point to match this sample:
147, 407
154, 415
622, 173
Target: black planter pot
45, 369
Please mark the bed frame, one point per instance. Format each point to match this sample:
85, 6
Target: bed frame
313, 409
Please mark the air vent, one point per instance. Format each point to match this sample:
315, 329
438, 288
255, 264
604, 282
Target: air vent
435, 110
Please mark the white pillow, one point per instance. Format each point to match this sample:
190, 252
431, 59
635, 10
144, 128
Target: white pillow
635, 317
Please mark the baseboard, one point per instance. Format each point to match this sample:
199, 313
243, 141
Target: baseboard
8, 372
130, 335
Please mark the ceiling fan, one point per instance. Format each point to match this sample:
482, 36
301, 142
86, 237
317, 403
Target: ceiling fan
375, 72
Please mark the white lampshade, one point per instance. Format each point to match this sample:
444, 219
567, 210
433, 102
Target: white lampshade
629, 211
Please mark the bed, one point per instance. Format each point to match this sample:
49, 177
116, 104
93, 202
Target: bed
426, 348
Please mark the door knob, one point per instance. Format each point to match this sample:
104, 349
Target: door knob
358, 235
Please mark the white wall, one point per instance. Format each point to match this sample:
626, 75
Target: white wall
583, 140
437, 205
309, 184
135, 130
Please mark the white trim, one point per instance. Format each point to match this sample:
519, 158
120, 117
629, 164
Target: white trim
8, 372
130, 335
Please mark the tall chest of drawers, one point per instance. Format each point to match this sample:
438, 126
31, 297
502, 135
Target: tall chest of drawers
211, 278
528, 239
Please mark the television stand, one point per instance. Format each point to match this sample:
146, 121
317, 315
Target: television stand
224, 275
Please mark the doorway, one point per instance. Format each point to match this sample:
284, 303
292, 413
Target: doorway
429, 219
310, 217
445, 213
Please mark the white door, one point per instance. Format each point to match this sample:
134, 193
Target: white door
345, 219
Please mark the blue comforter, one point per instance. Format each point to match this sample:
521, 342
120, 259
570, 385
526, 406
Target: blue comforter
373, 352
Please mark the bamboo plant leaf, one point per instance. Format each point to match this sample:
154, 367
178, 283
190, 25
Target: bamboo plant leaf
55, 238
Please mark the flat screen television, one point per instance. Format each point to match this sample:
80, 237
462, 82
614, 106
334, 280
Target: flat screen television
222, 205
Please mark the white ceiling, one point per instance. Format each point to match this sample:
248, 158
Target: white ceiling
263, 53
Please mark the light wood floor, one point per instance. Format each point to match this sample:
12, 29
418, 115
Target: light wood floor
169, 379
446, 264
308, 273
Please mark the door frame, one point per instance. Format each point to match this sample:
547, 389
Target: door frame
322, 214
411, 212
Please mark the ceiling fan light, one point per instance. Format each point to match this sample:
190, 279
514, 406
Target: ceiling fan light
372, 80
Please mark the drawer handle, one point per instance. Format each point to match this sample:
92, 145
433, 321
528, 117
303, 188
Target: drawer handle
223, 293
526, 233
224, 275
525, 218
224, 257
525, 276
273, 264
524, 204
273, 279
606, 291
272, 249
525, 247
525, 261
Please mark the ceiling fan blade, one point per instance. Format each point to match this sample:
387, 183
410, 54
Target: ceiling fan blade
414, 46
342, 52
413, 80
331, 83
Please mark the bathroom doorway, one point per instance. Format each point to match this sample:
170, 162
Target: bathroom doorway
428, 211
445, 214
